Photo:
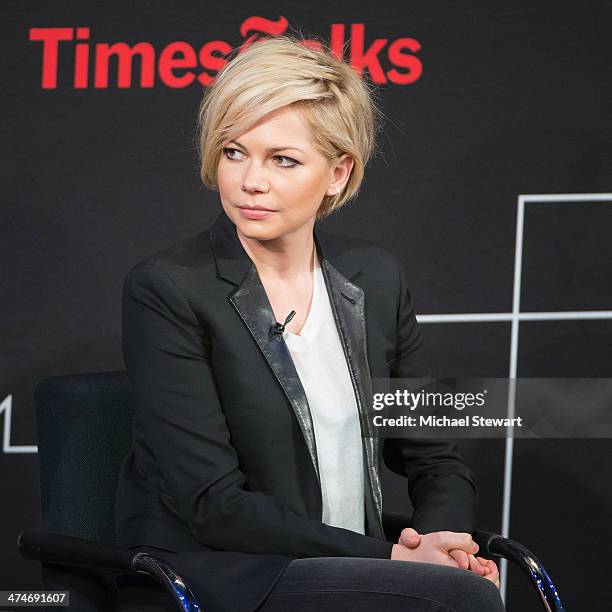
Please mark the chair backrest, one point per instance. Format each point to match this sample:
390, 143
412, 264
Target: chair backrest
84, 426
84, 431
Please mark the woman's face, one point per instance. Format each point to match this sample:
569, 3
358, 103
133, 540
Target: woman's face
275, 166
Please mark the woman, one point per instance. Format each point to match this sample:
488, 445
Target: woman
250, 348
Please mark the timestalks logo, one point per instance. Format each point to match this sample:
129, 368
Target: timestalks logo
179, 64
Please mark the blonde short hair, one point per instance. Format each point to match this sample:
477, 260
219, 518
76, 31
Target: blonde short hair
335, 100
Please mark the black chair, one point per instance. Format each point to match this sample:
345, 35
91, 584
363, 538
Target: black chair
84, 432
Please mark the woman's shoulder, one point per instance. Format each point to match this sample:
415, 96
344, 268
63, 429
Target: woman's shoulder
191, 255
184, 266
191, 252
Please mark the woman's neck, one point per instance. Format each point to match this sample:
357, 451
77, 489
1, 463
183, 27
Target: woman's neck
286, 258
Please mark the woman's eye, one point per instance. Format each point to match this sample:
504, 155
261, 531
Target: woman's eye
292, 161
228, 151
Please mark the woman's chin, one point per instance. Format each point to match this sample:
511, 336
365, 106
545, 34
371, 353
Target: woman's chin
257, 229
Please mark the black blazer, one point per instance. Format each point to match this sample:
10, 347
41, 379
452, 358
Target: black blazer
224, 461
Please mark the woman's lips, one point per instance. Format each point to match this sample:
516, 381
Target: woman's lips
253, 213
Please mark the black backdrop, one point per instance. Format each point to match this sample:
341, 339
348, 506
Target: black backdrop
486, 102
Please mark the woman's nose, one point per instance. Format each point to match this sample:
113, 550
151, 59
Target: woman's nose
253, 179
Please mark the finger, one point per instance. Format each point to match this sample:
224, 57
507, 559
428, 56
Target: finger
409, 541
461, 558
490, 564
485, 564
494, 569
409, 537
451, 540
476, 566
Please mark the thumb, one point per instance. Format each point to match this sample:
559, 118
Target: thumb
409, 537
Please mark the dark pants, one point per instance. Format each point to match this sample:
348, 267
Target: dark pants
334, 584
338, 584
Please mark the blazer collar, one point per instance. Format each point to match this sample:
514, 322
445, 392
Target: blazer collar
233, 262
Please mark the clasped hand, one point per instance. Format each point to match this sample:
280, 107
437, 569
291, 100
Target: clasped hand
444, 548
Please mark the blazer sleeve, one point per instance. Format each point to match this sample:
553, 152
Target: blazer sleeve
442, 488
166, 351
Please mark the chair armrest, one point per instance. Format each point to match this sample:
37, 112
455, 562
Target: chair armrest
496, 545
48, 547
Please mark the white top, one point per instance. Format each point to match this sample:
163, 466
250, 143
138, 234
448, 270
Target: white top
321, 366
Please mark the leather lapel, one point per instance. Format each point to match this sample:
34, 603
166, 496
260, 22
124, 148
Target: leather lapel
348, 305
251, 302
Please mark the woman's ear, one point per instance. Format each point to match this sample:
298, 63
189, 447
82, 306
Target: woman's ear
340, 174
